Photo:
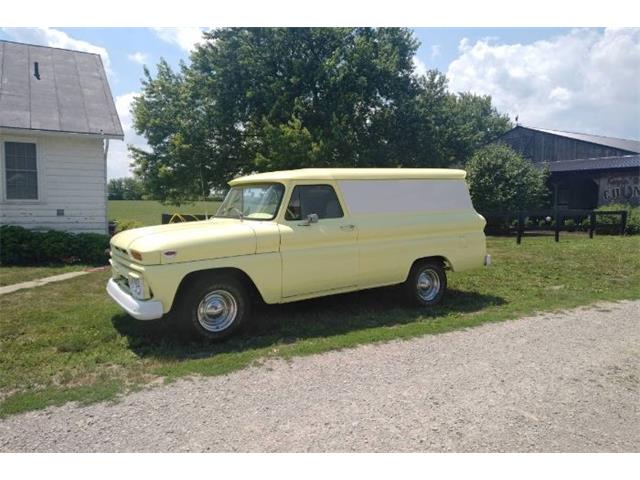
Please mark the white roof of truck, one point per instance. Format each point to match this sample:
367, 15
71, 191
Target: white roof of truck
353, 174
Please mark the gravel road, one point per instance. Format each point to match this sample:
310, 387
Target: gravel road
557, 382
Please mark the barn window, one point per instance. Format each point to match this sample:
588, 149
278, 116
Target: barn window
21, 171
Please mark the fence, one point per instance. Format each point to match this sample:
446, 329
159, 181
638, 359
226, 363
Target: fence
555, 221
520, 222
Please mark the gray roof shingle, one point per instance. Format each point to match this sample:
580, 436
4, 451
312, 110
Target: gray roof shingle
620, 143
603, 163
72, 94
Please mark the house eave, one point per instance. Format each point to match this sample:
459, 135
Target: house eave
32, 131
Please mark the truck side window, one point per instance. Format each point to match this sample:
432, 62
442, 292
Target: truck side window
319, 199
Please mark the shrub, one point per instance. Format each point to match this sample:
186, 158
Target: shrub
501, 180
633, 217
19, 246
124, 224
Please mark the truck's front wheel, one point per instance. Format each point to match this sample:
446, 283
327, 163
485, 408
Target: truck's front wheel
213, 307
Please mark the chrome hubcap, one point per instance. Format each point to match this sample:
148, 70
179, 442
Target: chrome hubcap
217, 311
428, 285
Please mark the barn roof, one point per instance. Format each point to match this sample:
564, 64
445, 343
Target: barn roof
602, 163
632, 146
68, 93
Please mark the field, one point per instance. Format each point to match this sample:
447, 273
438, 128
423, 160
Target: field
148, 212
87, 349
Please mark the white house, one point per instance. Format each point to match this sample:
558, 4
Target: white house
57, 116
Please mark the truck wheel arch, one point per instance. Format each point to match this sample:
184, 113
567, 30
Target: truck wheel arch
231, 271
441, 258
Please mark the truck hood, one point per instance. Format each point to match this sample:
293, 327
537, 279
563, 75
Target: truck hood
184, 242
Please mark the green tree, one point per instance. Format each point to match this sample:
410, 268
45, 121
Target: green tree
256, 99
180, 163
501, 180
125, 188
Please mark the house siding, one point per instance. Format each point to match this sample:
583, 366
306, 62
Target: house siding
71, 177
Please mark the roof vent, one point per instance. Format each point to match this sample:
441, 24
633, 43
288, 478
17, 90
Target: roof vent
36, 70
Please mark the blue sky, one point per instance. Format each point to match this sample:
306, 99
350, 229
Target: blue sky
582, 80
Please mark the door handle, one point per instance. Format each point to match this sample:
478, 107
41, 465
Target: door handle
347, 228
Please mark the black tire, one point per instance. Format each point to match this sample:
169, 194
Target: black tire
434, 283
223, 291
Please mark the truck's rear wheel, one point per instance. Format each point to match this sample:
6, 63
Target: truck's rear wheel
213, 307
426, 284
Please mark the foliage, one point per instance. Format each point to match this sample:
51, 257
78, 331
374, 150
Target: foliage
256, 99
633, 217
78, 353
501, 180
125, 188
19, 246
125, 224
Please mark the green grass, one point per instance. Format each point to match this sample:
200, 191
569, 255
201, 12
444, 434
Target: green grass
67, 341
11, 275
149, 212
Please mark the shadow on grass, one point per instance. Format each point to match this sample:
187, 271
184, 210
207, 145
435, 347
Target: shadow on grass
273, 325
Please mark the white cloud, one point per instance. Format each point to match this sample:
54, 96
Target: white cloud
419, 67
184, 37
586, 80
119, 160
435, 51
51, 37
138, 57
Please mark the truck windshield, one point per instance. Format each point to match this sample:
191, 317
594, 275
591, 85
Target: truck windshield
253, 202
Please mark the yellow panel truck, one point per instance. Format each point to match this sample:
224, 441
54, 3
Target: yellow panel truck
291, 235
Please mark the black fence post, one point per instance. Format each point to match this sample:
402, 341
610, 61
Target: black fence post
557, 222
623, 222
520, 227
592, 224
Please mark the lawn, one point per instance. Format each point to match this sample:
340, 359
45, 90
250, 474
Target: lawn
67, 341
11, 275
149, 212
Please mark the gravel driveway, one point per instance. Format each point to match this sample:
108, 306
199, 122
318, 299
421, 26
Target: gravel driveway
558, 382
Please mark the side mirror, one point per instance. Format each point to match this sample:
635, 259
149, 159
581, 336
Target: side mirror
311, 218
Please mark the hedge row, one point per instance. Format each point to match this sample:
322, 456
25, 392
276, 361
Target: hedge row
19, 246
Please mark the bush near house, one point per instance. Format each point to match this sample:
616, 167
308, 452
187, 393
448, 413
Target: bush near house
501, 180
19, 246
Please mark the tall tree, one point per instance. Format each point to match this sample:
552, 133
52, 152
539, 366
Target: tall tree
255, 99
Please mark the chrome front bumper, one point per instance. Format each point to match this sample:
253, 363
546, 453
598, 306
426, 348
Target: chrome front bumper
140, 309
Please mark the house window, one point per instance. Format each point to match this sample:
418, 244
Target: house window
318, 199
21, 171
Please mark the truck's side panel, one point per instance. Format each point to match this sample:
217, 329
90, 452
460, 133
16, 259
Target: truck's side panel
404, 197
399, 221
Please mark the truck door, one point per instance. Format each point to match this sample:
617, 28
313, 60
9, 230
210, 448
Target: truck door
319, 248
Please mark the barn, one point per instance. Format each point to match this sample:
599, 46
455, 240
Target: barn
586, 171
57, 116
